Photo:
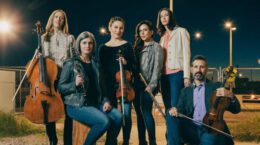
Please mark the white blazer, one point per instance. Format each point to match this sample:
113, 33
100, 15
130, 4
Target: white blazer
178, 50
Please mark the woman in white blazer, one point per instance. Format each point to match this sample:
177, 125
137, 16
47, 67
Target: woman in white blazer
175, 42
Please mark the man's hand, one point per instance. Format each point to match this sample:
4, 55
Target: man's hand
173, 112
106, 107
222, 92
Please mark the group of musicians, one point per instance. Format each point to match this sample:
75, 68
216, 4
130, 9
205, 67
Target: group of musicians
88, 85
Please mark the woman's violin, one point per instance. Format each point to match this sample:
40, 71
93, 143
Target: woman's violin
124, 77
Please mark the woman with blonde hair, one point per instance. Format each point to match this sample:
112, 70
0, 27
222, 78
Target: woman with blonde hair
108, 56
57, 44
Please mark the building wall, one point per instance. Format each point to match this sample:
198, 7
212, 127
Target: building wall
7, 90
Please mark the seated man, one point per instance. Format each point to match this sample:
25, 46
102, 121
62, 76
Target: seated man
195, 102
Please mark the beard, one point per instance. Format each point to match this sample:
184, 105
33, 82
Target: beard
199, 76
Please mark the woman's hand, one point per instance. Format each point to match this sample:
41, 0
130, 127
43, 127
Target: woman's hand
79, 80
148, 89
106, 107
186, 82
123, 60
38, 55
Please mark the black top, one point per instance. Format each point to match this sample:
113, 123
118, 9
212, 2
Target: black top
107, 57
92, 91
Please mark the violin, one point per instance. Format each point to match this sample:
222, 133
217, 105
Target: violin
124, 77
219, 105
44, 103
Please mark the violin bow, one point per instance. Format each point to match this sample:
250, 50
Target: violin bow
38, 30
210, 127
153, 98
122, 88
182, 115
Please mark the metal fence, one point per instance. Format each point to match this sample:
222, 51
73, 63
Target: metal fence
247, 82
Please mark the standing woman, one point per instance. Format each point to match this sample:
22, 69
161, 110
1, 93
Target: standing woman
57, 44
175, 42
150, 62
80, 84
108, 59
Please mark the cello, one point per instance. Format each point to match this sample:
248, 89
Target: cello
44, 103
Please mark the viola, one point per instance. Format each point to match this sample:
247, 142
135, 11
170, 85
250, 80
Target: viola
219, 105
123, 77
44, 103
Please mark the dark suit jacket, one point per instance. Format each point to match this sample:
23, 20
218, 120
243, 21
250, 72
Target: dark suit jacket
186, 107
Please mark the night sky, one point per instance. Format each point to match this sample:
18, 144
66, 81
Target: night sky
206, 16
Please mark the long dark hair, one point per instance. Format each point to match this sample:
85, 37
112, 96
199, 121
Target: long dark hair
172, 22
139, 43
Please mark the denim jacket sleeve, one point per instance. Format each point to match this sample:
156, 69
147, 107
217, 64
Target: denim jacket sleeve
157, 68
67, 84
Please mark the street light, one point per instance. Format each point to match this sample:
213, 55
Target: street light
258, 60
102, 31
198, 35
231, 28
5, 26
171, 5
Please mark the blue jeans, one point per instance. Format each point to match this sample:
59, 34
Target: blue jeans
183, 130
98, 121
146, 108
171, 87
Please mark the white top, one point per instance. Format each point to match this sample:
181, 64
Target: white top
178, 51
59, 48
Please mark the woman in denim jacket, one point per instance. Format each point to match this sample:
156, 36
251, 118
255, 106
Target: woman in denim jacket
81, 87
150, 62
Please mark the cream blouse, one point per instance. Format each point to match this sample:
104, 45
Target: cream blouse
59, 48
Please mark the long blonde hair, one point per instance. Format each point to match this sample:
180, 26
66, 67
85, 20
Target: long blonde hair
49, 26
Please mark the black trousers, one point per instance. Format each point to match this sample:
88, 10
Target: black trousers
67, 135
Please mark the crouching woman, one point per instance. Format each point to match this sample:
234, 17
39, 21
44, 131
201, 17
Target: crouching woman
81, 86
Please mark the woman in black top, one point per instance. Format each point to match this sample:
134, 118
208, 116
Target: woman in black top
108, 58
80, 85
